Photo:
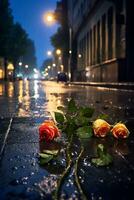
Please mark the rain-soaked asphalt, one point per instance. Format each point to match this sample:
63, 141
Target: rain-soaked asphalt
24, 105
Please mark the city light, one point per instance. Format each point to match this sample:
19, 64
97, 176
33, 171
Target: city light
20, 63
79, 55
49, 18
58, 51
49, 53
36, 76
26, 66
10, 66
54, 65
35, 70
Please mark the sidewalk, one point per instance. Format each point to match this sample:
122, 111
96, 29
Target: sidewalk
123, 85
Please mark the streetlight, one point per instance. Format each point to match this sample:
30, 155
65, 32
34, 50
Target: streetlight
26, 66
58, 52
20, 63
49, 18
70, 53
54, 65
49, 53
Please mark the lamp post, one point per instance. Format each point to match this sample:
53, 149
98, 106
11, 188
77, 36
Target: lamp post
70, 53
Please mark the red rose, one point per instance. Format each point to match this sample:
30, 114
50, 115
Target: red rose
101, 128
120, 131
48, 131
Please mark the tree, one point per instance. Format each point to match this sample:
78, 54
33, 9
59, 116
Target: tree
29, 57
46, 63
6, 23
14, 41
18, 44
60, 39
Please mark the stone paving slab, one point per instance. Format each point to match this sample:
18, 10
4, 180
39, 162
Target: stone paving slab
19, 168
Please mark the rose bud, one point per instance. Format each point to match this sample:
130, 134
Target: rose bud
48, 131
101, 128
120, 131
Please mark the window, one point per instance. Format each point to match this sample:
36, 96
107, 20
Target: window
103, 37
110, 33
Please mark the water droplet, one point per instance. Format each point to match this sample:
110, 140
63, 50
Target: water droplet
33, 163
129, 178
14, 182
67, 185
101, 180
82, 181
35, 184
15, 168
119, 179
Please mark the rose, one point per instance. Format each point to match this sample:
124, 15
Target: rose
101, 128
120, 131
48, 131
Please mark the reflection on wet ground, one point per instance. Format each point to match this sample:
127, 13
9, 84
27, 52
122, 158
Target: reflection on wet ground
30, 103
37, 98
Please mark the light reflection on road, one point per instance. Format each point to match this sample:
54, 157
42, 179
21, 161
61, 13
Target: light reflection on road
38, 98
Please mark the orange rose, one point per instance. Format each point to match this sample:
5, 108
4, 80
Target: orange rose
101, 128
48, 131
120, 131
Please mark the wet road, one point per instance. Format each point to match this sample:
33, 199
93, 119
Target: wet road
24, 105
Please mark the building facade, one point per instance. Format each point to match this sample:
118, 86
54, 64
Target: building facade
2, 72
99, 40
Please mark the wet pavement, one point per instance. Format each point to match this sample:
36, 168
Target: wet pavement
24, 105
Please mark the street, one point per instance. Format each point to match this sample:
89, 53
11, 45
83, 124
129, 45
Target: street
24, 105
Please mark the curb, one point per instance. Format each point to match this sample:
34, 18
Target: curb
127, 86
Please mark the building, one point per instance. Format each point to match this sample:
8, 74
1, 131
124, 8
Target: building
61, 15
2, 74
101, 38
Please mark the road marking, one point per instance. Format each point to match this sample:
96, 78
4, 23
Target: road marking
5, 138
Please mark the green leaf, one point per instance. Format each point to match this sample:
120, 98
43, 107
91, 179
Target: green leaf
70, 128
45, 158
103, 116
84, 132
59, 117
86, 111
71, 106
81, 121
51, 152
104, 158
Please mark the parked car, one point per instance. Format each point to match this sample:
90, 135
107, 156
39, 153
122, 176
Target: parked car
62, 77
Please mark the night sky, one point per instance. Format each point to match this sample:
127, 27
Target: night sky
29, 14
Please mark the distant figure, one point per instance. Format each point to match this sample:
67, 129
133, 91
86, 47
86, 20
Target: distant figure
61, 77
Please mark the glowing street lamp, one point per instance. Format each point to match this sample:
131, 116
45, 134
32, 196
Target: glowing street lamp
48, 66
54, 65
20, 63
49, 18
49, 53
26, 66
58, 51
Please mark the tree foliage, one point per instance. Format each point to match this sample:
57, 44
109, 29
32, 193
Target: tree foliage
60, 39
46, 63
14, 41
29, 56
6, 24
19, 42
